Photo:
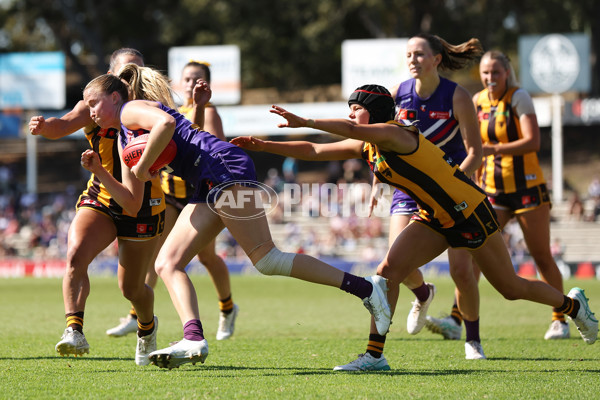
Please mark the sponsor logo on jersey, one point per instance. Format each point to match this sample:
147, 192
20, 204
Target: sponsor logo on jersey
406, 114
89, 202
530, 177
155, 202
529, 201
144, 228
461, 206
439, 114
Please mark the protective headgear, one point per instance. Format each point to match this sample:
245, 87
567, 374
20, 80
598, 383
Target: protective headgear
377, 100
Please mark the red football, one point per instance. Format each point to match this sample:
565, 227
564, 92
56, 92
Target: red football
134, 150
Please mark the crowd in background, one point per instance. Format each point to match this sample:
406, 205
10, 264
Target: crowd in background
36, 226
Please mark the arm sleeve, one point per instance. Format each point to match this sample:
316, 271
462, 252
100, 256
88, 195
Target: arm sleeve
522, 103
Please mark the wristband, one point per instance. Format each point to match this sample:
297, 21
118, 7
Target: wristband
310, 123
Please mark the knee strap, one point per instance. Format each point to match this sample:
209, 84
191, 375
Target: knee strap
276, 262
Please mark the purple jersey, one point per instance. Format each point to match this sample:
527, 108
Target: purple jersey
434, 116
202, 156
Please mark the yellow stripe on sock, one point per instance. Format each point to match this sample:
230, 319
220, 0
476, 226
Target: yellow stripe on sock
145, 327
558, 316
375, 346
227, 305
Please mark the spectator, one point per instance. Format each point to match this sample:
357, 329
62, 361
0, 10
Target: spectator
576, 208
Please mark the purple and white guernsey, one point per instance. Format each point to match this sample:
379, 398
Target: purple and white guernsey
434, 116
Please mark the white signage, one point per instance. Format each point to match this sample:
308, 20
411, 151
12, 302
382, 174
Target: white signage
373, 61
258, 121
224, 70
32, 80
554, 63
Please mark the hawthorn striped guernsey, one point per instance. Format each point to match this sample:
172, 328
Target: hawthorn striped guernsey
505, 173
446, 196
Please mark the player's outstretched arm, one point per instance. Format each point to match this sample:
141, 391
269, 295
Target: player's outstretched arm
56, 128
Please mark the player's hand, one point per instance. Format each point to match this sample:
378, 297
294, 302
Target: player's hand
248, 143
37, 124
201, 93
489, 149
143, 174
293, 121
374, 199
90, 161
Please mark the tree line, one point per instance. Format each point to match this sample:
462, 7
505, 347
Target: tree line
292, 44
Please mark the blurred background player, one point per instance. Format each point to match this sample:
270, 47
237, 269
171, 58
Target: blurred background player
443, 111
177, 194
99, 221
511, 175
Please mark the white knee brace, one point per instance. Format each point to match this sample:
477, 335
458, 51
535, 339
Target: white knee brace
276, 262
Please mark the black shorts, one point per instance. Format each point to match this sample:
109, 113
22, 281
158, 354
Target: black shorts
521, 201
471, 233
127, 227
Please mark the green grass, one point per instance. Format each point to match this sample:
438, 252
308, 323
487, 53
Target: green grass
289, 336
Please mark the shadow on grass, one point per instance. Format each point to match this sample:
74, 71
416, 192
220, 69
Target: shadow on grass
295, 371
59, 358
231, 371
563, 359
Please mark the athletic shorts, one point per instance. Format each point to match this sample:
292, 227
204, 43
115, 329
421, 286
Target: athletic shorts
231, 164
403, 204
521, 201
471, 233
127, 227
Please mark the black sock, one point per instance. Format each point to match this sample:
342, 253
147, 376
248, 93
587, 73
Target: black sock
375, 346
472, 330
356, 285
570, 307
422, 292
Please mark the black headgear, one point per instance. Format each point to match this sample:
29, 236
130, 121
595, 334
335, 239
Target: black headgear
377, 100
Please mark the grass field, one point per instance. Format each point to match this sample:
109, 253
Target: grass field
288, 337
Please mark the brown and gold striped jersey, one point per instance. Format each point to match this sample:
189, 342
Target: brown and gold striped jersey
498, 123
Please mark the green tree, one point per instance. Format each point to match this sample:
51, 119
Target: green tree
290, 44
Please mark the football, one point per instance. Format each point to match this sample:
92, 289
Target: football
134, 150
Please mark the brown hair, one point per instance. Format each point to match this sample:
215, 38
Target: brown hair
202, 65
108, 83
147, 84
453, 56
121, 51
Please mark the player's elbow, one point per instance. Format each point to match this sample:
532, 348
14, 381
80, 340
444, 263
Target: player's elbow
132, 206
169, 123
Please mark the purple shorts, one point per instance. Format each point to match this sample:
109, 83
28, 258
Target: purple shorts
403, 204
231, 164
